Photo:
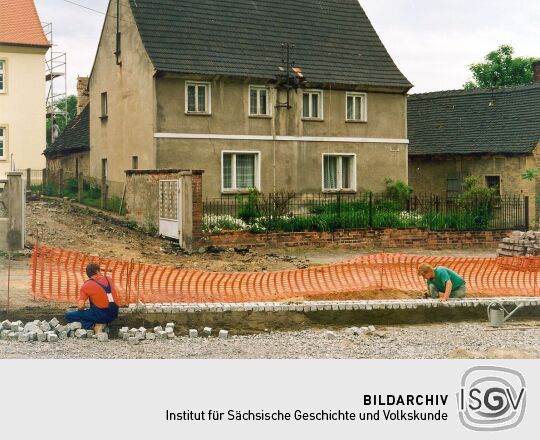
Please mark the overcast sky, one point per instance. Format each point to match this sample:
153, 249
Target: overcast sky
432, 41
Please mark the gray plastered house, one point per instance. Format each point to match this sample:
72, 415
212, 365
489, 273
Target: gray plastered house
188, 85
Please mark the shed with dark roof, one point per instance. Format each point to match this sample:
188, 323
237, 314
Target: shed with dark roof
491, 133
70, 151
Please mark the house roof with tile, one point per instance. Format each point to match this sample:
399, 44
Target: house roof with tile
75, 137
478, 121
20, 24
334, 41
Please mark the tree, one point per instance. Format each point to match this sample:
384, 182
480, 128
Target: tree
501, 69
68, 104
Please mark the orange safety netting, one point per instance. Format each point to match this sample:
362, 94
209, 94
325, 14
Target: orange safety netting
57, 275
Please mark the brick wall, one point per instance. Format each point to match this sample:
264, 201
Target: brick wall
368, 238
197, 209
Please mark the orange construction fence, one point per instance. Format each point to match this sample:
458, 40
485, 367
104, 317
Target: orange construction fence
57, 275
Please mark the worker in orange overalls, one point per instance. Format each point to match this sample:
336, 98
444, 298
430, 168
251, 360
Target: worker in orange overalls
101, 293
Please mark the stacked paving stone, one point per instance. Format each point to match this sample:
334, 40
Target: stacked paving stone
520, 244
45, 331
134, 336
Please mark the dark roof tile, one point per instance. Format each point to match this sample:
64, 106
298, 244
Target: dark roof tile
75, 137
334, 39
478, 121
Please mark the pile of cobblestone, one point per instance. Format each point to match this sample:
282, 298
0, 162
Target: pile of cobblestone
135, 335
520, 244
54, 331
46, 331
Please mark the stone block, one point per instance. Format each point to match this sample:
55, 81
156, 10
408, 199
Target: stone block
330, 335
63, 335
54, 322
80, 333
371, 328
102, 337
75, 326
150, 336
223, 334
170, 335
158, 329
59, 328
170, 324
142, 330
126, 336
207, 331
13, 336
32, 336
132, 340
23, 337
140, 335
162, 334
6, 324
89, 333
193, 333
51, 337
41, 337
169, 329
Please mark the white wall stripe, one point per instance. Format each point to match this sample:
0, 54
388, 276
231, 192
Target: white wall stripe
249, 137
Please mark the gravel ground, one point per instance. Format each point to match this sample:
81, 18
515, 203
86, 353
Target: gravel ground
436, 341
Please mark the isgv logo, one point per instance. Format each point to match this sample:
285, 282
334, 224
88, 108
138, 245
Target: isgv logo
491, 398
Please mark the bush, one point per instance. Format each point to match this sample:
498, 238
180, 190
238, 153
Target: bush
249, 209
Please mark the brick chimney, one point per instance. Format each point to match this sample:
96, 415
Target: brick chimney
82, 93
536, 71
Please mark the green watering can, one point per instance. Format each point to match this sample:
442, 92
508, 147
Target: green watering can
497, 314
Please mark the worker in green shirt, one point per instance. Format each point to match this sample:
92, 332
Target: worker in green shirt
442, 283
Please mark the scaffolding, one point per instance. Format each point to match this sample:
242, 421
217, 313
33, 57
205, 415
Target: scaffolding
56, 80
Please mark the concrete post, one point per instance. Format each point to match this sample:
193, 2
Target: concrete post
16, 213
28, 177
190, 209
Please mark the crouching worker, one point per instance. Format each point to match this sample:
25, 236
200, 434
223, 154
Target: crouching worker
101, 293
442, 283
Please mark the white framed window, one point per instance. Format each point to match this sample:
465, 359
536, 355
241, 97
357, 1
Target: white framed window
312, 104
3, 143
198, 97
339, 172
2, 76
259, 101
356, 107
240, 170
104, 106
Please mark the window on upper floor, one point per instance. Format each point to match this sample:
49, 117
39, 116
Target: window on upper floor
104, 106
198, 98
259, 99
2, 143
339, 172
312, 104
356, 107
240, 170
2, 76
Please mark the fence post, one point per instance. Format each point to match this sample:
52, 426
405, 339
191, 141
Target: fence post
44, 182
61, 182
103, 191
526, 206
28, 178
370, 210
80, 186
339, 210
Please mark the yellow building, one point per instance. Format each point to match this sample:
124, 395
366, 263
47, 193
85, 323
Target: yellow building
22, 86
